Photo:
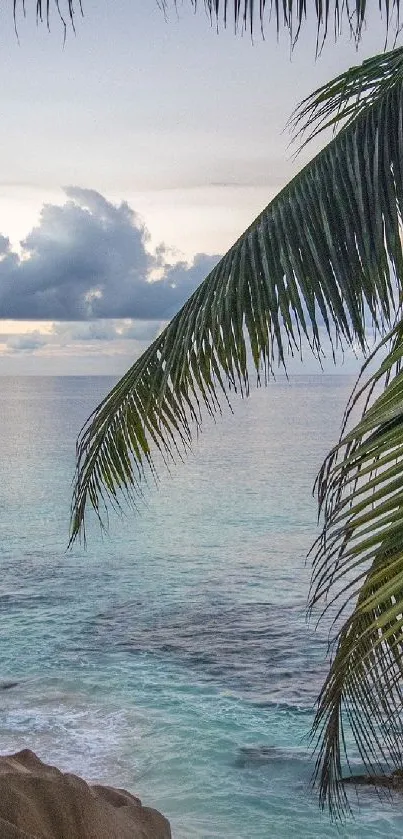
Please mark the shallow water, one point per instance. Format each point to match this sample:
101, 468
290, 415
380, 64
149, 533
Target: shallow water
174, 657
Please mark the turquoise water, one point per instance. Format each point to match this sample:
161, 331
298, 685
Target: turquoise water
173, 657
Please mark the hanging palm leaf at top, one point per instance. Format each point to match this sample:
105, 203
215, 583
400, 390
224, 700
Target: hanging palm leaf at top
323, 258
247, 14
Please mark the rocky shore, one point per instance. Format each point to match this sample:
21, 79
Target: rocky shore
38, 801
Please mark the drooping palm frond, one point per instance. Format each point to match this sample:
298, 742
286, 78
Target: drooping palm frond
359, 562
246, 14
65, 11
291, 15
321, 256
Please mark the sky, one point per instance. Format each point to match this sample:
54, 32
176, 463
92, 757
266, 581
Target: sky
133, 154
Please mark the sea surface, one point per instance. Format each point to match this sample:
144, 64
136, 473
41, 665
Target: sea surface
173, 657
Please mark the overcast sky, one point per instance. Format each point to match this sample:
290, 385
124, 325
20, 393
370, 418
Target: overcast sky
131, 158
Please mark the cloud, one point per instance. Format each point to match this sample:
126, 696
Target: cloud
89, 259
28, 342
98, 333
103, 330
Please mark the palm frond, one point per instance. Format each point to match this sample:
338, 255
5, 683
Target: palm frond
359, 563
291, 15
246, 14
320, 258
65, 11
345, 97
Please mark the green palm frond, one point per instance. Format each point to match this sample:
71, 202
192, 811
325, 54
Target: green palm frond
320, 258
345, 97
359, 565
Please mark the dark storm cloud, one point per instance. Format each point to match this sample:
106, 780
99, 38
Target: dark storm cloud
88, 259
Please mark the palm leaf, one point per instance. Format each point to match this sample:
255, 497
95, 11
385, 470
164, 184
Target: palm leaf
291, 15
348, 95
318, 259
246, 14
65, 11
359, 561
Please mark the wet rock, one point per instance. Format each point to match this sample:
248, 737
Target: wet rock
38, 801
260, 755
255, 755
393, 781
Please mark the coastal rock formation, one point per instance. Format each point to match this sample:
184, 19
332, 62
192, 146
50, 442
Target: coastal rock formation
38, 801
392, 781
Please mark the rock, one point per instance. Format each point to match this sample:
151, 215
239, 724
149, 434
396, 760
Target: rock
38, 801
255, 755
392, 781
259, 755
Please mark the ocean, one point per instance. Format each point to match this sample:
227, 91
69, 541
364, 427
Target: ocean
172, 657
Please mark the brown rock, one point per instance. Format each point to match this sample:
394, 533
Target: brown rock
392, 781
38, 801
